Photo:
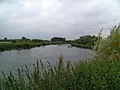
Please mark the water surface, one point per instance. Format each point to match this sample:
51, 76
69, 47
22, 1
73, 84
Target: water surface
11, 60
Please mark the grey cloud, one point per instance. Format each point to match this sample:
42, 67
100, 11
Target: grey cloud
67, 18
117, 1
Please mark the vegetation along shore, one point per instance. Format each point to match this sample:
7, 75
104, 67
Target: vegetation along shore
86, 41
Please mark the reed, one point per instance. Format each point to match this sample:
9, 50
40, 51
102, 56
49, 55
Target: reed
110, 46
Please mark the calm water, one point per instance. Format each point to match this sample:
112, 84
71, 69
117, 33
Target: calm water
11, 60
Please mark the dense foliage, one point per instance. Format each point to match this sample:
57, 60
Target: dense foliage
87, 40
58, 39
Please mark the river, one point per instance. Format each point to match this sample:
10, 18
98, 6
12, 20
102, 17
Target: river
11, 60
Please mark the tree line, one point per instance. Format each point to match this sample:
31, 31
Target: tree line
86, 41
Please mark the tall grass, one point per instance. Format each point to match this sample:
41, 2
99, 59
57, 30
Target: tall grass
95, 75
110, 46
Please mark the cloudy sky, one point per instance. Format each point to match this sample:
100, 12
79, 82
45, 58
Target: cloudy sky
65, 18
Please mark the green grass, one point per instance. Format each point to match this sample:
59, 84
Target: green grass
24, 45
13, 46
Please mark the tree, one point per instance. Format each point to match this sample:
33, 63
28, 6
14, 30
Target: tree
37, 40
58, 39
87, 39
5, 39
23, 38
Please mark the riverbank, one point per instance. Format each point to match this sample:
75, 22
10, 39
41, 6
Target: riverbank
27, 45
83, 46
24, 45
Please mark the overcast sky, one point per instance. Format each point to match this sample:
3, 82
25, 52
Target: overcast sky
63, 18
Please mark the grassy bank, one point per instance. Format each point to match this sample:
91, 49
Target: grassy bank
24, 45
28, 45
13, 46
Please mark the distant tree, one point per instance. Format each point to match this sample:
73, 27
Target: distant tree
57, 39
23, 38
37, 40
5, 39
87, 39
